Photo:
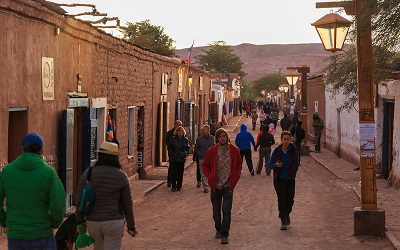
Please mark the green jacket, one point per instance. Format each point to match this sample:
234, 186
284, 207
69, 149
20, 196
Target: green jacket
34, 195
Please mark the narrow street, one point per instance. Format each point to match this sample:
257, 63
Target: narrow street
322, 216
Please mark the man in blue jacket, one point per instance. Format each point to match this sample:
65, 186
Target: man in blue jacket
242, 141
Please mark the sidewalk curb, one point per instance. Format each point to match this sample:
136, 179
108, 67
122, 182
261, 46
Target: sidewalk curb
392, 239
235, 126
158, 184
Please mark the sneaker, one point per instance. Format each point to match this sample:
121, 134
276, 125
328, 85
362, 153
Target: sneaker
283, 226
198, 184
224, 240
168, 184
205, 190
284, 223
173, 189
258, 173
268, 173
218, 235
252, 173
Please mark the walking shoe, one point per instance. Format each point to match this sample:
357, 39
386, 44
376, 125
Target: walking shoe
218, 235
252, 173
283, 226
258, 173
168, 184
198, 184
268, 173
284, 223
224, 240
205, 190
173, 189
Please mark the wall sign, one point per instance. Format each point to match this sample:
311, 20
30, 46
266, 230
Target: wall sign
47, 79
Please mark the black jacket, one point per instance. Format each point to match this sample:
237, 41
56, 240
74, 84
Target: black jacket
178, 149
300, 133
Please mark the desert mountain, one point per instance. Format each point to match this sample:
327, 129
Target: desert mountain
261, 60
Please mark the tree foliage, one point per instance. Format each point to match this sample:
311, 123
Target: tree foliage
341, 70
267, 83
220, 58
246, 93
149, 36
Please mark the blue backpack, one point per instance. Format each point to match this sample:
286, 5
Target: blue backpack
87, 199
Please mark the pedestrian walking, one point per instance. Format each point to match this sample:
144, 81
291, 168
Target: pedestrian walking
274, 117
242, 141
203, 143
168, 138
113, 200
222, 166
265, 141
178, 150
284, 162
262, 117
271, 129
216, 127
298, 134
318, 125
254, 117
198, 166
285, 123
32, 198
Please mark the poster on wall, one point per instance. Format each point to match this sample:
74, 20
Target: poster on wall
164, 81
367, 139
47, 79
180, 79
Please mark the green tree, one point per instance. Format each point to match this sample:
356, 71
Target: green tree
246, 93
341, 70
149, 36
267, 83
220, 58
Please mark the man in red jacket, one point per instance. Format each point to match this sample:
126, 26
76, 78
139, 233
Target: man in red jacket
222, 166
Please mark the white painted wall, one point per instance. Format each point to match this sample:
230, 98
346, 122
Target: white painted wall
391, 91
341, 129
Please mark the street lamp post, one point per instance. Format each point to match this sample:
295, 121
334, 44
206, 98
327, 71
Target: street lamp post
368, 219
303, 70
284, 88
292, 78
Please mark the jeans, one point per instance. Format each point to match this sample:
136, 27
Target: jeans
222, 198
198, 173
247, 154
177, 169
263, 153
285, 190
107, 235
298, 146
317, 141
48, 243
203, 176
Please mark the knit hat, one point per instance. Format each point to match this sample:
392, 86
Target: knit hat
108, 148
31, 139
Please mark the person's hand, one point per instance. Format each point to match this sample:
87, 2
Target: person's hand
132, 233
278, 164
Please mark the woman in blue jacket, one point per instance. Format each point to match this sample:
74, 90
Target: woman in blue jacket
285, 163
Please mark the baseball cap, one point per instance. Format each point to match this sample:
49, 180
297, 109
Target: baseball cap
31, 139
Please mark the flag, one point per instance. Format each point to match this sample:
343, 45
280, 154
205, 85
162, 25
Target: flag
189, 54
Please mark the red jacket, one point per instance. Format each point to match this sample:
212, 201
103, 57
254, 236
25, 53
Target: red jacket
210, 162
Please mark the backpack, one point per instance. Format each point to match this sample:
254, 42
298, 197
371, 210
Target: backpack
87, 199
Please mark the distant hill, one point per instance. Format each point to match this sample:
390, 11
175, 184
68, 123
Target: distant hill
261, 60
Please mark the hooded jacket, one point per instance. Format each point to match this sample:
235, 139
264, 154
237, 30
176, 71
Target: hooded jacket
318, 123
244, 138
35, 198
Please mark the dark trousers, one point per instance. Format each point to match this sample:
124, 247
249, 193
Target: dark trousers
247, 154
285, 190
169, 177
198, 174
48, 242
318, 141
177, 169
222, 198
298, 146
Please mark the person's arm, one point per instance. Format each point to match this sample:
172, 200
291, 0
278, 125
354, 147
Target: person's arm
127, 204
2, 210
252, 140
273, 163
56, 200
206, 165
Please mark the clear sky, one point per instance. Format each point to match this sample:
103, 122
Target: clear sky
232, 21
